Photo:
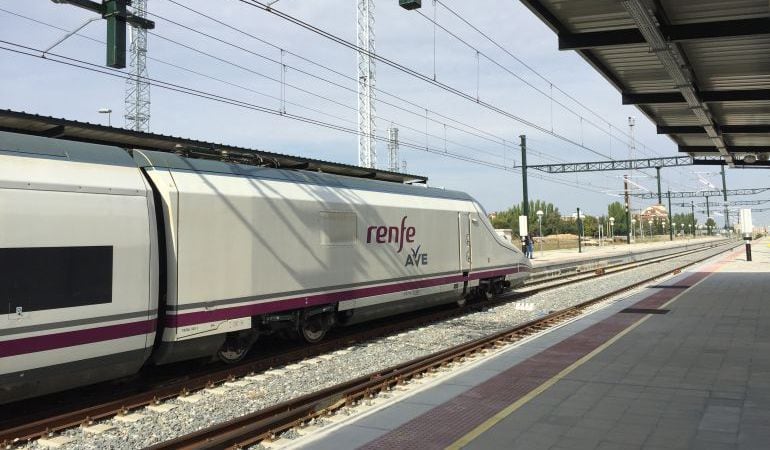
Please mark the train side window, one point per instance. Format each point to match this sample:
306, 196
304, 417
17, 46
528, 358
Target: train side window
41, 278
338, 228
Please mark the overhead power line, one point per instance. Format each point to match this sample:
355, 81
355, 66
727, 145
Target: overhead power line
477, 132
84, 65
414, 73
501, 66
648, 151
280, 99
531, 69
91, 67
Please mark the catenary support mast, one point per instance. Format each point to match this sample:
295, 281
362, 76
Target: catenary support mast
367, 153
137, 102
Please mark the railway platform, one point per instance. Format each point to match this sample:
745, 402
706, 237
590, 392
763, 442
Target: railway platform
680, 364
561, 256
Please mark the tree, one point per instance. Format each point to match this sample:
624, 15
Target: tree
590, 225
617, 211
510, 218
710, 224
686, 219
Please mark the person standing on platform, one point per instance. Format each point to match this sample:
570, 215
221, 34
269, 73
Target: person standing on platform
530, 247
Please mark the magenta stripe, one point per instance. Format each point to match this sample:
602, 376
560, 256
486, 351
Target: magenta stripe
72, 338
180, 320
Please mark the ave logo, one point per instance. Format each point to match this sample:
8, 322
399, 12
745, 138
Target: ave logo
416, 258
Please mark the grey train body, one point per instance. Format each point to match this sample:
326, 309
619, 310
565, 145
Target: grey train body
113, 259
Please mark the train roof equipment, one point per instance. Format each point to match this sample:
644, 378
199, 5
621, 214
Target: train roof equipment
72, 130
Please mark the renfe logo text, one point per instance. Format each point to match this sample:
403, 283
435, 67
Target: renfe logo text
383, 234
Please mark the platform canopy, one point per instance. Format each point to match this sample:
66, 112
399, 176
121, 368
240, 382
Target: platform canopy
33, 124
699, 69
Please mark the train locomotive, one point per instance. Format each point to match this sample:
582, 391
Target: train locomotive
111, 259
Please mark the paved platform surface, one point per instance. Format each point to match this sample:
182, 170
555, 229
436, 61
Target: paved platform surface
695, 377
551, 257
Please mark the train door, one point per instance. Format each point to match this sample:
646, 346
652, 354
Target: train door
464, 235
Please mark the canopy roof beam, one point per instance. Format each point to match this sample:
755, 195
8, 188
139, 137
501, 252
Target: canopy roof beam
672, 33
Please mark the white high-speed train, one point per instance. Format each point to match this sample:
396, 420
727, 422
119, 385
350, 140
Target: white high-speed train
112, 259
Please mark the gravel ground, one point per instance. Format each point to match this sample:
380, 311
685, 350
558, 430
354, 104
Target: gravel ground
292, 381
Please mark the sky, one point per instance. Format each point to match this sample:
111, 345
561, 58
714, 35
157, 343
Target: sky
568, 112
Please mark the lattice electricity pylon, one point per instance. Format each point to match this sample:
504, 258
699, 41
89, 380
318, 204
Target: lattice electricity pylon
137, 101
367, 152
624, 164
713, 193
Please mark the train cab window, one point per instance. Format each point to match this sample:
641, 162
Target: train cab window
338, 228
40, 278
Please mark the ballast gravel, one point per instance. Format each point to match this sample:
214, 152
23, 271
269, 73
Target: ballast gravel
272, 387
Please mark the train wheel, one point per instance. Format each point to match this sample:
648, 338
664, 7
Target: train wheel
484, 293
312, 332
236, 346
462, 301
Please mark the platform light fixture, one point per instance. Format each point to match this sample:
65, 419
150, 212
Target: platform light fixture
410, 4
107, 111
612, 229
540, 229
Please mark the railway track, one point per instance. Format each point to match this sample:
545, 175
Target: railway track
33, 429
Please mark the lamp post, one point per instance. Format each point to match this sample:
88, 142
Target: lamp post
673, 226
633, 222
601, 238
612, 229
650, 222
540, 229
107, 111
689, 228
682, 227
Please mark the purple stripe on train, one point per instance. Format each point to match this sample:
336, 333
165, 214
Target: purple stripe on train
194, 318
91, 335
77, 337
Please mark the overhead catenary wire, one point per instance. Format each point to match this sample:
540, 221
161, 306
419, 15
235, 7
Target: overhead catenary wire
552, 85
479, 133
505, 143
414, 73
482, 134
480, 53
77, 63
175, 87
283, 83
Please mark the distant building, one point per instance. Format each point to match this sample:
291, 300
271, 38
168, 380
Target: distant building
572, 217
655, 212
